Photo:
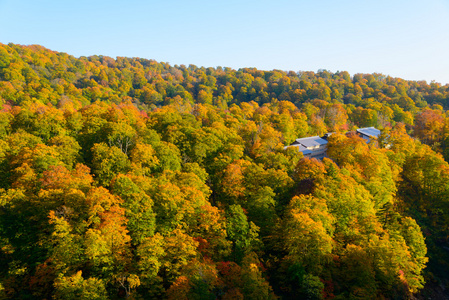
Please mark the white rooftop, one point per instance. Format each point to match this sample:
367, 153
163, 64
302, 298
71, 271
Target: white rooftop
312, 141
369, 131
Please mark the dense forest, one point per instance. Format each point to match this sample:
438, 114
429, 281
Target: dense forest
131, 178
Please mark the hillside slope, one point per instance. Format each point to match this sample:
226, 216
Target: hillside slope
132, 178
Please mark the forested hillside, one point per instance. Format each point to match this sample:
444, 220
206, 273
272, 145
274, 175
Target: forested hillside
131, 178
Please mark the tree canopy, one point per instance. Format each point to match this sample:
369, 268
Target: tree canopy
130, 178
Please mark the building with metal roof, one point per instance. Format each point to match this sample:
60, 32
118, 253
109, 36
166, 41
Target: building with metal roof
368, 133
316, 147
313, 147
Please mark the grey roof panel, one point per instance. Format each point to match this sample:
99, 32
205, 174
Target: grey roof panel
312, 141
369, 131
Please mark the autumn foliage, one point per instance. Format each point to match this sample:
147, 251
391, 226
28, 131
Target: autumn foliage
129, 178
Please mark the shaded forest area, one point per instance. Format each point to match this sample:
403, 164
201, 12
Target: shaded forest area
129, 178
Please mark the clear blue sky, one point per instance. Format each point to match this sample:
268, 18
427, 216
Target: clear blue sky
407, 39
